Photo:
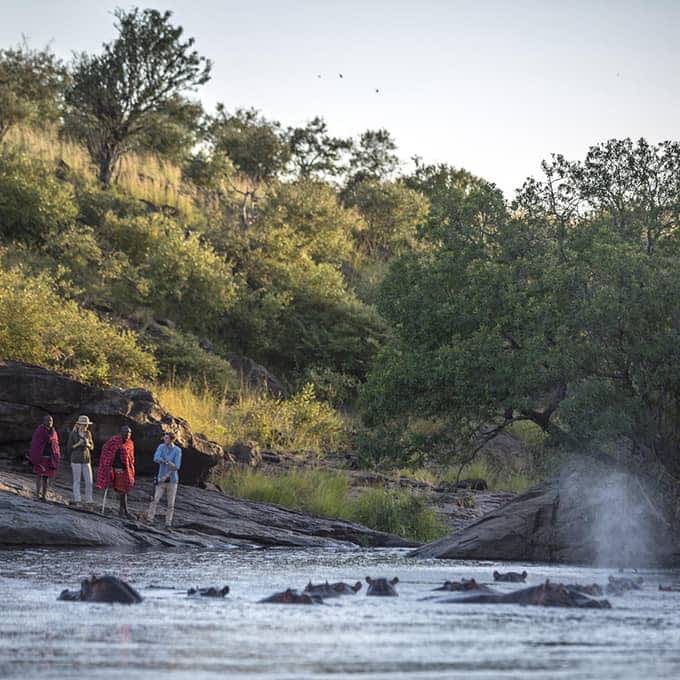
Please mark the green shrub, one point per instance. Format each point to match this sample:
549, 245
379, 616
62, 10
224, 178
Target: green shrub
312, 491
328, 494
398, 512
179, 356
301, 422
34, 204
39, 327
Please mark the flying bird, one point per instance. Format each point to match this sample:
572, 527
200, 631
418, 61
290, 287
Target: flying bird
340, 75
377, 90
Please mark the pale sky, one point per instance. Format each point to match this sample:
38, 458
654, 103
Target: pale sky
490, 86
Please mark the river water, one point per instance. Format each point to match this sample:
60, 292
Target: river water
172, 636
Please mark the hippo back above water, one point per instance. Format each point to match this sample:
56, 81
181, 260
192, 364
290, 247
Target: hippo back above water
102, 589
211, 591
546, 595
290, 596
327, 589
510, 576
466, 584
382, 587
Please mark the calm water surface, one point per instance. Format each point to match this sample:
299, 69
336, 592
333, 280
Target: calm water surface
172, 636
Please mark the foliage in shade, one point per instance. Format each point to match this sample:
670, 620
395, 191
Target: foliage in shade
562, 311
39, 327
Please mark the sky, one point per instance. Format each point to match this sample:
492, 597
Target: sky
492, 86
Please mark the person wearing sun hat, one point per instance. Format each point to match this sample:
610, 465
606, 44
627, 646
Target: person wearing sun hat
80, 447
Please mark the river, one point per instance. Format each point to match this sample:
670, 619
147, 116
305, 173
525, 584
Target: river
171, 636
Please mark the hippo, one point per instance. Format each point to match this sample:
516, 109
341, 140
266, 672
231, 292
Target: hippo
669, 589
546, 595
291, 596
102, 589
326, 590
510, 576
593, 589
382, 587
465, 584
212, 591
618, 586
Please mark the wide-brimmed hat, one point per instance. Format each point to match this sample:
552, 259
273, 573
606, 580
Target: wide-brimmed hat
83, 420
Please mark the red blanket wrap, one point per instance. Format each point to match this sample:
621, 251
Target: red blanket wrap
45, 454
105, 477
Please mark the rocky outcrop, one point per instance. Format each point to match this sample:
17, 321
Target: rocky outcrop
255, 376
578, 517
27, 393
203, 518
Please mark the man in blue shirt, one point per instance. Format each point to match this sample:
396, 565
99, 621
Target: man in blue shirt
168, 456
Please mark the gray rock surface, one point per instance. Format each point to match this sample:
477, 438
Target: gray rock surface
578, 517
27, 393
203, 518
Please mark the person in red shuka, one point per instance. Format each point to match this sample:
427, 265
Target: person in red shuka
117, 467
44, 455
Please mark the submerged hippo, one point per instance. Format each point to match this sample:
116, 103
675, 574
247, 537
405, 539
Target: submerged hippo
618, 586
466, 584
212, 591
510, 576
102, 589
546, 595
291, 596
382, 587
593, 589
669, 589
326, 590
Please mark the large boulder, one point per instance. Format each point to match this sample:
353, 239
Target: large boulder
255, 376
28, 392
603, 519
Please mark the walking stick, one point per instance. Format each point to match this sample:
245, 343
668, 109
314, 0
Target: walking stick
106, 490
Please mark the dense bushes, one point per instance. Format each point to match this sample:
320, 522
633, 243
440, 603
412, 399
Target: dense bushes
34, 204
37, 326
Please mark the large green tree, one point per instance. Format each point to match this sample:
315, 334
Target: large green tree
32, 85
116, 97
563, 310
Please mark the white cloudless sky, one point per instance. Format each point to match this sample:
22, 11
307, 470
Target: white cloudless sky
493, 86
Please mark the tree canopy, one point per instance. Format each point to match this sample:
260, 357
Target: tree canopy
562, 309
117, 96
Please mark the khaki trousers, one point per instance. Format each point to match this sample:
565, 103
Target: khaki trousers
83, 470
171, 490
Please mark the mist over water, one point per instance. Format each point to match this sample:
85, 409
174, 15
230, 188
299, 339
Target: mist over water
620, 526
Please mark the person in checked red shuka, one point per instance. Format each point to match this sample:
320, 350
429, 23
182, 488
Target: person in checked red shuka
117, 467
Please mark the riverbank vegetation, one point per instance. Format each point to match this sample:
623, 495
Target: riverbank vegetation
328, 494
407, 314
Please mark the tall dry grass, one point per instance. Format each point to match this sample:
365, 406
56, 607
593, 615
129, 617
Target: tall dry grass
298, 423
143, 176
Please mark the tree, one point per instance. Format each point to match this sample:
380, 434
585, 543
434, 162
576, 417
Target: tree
116, 97
564, 311
314, 153
373, 156
257, 148
32, 83
392, 212
174, 131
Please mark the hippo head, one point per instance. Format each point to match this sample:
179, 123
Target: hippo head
381, 586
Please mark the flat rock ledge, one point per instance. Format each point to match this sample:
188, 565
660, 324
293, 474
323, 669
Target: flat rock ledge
204, 518
578, 518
